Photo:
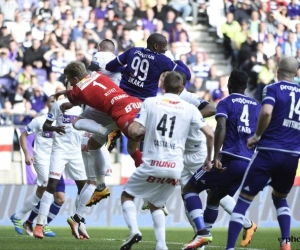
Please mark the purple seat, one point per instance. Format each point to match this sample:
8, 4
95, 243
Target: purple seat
41, 75
7, 82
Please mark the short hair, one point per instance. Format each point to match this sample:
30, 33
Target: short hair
75, 69
183, 75
173, 82
107, 45
238, 79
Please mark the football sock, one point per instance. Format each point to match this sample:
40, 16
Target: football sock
54, 210
129, 213
34, 213
237, 221
44, 207
283, 216
137, 157
159, 220
194, 207
85, 196
210, 216
188, 216
101, 182
28, 205
77, 200
90, 126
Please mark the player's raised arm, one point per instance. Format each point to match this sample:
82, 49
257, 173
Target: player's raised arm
207, 109
183, 68
117, 64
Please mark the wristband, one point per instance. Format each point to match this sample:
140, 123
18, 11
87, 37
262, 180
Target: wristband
256, 137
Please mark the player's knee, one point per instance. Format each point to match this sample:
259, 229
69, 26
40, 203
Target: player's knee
277, 195
187, 188
93, 144
52, 184
59, 198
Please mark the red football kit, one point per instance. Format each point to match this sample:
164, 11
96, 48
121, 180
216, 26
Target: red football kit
99, 92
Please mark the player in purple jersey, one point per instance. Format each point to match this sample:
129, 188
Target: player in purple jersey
236, 117
277, 140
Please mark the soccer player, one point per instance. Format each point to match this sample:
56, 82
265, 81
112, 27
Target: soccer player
236, 118
165, 122
41, 162
66, 152
277, 140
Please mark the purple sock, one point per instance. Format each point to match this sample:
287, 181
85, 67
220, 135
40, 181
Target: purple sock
283, 216
54, 210
194, 207
237, 221
210, 216
34, 213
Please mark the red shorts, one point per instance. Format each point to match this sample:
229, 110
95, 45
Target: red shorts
125, 115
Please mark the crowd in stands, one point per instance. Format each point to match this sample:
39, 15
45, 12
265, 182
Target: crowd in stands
256, 35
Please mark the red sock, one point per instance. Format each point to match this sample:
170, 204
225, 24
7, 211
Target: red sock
137, 157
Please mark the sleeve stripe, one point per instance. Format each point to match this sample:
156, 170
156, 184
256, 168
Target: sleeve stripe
270, 98
221, 114
119, 61
174, 67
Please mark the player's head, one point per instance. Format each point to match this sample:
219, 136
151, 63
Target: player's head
50, 102
183, 75
287, 68
173, 83
106, 45
237, 82
157, 43
75, 72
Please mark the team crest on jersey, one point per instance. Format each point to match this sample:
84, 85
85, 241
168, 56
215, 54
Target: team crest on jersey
138, 115
50, 115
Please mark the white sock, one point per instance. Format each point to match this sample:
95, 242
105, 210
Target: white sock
159, 221
90, 126
129, 214
77, 201
44, 207
28, 205
191, 221
101, 182
247, 223
98, 162
85, 196
228, 204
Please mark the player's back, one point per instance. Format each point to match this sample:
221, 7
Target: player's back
168, 121
283, 132
144, 67
241, 113
102, 58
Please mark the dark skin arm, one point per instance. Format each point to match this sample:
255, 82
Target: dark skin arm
58, 129
219, 139
208, 110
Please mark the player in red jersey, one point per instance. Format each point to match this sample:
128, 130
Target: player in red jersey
101, 93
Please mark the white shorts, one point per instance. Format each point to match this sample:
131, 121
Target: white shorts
192, 162
155, 188
71, 162
101, 118
42, 171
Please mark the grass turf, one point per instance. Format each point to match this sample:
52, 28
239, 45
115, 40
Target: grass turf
111, 239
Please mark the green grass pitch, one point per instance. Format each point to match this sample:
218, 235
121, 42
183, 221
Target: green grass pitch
111, 239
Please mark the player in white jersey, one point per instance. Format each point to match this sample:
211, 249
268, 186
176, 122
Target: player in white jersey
41, 162
65, 155
165, 122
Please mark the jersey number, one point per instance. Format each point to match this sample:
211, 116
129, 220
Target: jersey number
99, 84
294, 108
245, 115
141, 65
162, 125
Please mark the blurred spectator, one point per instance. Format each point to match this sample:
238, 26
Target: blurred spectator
237, 40
69, 21
52, 84
298, 57
290, 47
181, 6
254, 24
161, 10
7, 67
159, 27
229, 31
44, 11
109, 35
281, 34
198, 88
91, 22
271, 23
130, 20
59, 11
5, 37
200, 68
149, 22
269, 46
175, 31
262, 33
141, 10
99, 29
119, 9
26, 13
223, 81
191, 57
39, 30
9, 8
65, 39
143, 42
183, 58
278, 54
92, 47
169, 21
83, 57
15, 54
70, 53
245, 53
183, 45
38, 100
101, 11
34, 55
77, 31
293, 9
5, 105
25, 77
211, 82
296, 79
111, 21
83, 11
18, 28
263, 11
28, 41
137, 34
172, 52
243, 13
82, 42
124, 42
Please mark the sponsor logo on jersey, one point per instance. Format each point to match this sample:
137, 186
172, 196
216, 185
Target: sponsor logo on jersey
50, 115
87, 80
133, 105
118, 97
68, 118
110, 91
163, 164
169, 101
47, 134
170, 104
171, 181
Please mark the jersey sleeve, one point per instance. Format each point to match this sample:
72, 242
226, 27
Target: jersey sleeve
74, 95
193, 99
269, 95
197, 118
222, 109
166, 64
53, 113
141, 116
33, 127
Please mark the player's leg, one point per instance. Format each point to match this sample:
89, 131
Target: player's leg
282, 182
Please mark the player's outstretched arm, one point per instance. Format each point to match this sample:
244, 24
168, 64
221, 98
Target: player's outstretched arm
183, 68
58, 94
58, 129
207, 109
207, 131
136, 131
219, 139
23, 144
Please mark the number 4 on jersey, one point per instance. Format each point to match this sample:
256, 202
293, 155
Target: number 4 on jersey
162, 125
